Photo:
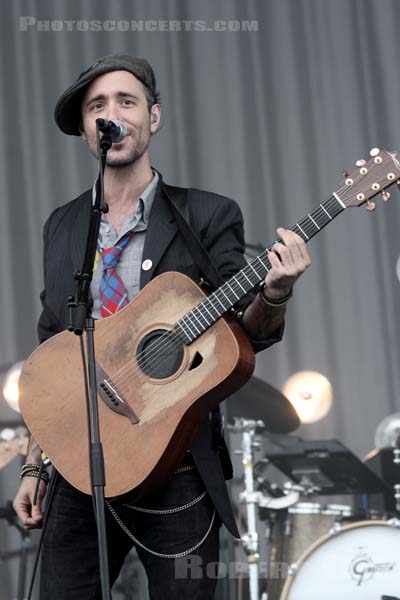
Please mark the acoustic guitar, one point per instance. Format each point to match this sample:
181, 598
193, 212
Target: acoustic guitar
163, 362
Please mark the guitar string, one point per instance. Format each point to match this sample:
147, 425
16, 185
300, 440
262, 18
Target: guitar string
170, 340
306, 227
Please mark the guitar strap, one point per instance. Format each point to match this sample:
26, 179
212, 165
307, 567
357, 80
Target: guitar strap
203, 260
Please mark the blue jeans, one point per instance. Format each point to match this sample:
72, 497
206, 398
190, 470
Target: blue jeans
70, 565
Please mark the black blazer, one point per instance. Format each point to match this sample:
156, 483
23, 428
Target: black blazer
217, 221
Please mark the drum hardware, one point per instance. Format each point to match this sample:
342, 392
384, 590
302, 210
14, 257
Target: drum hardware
258, 494
304, 523
303, 489
326, 467
249, 497
396, 460
322, 468
385, 459
270, 495
270, 502
312, 468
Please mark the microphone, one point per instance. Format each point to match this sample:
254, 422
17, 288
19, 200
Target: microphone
114, 129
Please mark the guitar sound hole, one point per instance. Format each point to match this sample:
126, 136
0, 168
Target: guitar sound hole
159, 354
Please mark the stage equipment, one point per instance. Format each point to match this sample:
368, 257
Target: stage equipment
387, 433
13, 442
358, 561
325, 467
315, 468
260, 401
385, 459
10, 386
8, 513
311, 395
248, 429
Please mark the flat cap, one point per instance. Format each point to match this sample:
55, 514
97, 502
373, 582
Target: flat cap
67, 112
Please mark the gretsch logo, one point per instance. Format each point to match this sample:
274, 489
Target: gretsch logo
362, 568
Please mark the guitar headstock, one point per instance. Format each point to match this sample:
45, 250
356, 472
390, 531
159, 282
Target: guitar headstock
371, 178
12, 443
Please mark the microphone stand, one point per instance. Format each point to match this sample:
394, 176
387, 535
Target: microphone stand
80, 320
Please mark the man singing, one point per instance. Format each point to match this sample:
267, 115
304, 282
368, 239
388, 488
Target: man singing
140, 237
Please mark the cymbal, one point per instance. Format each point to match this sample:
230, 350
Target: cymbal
261, 401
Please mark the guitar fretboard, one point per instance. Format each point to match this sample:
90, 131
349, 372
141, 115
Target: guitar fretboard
205, 314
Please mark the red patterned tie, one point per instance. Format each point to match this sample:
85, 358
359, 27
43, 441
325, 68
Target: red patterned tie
113, 294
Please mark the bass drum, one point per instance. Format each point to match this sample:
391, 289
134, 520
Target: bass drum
360, 561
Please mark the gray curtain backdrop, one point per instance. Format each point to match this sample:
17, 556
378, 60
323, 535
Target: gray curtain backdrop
270, 116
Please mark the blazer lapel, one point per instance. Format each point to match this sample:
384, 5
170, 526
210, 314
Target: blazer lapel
79, 231
161, 229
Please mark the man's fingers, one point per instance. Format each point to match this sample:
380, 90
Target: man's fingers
29, 514
296, 245
281, 252
288, 262
28, 519
275, 259
31, 523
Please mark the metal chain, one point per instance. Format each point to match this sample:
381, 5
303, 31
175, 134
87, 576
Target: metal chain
184, 469
167, 511
153, 552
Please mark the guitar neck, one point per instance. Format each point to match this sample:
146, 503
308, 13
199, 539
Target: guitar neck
205, 314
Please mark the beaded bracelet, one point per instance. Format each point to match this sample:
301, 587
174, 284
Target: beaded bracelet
32, 470
44, 476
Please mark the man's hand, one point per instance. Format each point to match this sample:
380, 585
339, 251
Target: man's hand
288, 261
30, 515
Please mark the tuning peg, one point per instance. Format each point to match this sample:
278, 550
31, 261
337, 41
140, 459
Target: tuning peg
398, 184
385, 196
374, 152
371, 205
345, 174
361, 162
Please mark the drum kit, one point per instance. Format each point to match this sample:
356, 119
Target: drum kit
299, 544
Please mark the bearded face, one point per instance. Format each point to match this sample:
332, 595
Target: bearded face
118, 95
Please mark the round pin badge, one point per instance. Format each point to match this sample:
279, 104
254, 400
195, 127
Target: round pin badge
147, 264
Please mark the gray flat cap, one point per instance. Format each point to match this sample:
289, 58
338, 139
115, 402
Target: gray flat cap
67, 112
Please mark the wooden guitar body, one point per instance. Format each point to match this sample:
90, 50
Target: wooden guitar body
153, 390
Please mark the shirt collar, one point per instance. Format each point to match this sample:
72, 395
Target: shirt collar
146, 197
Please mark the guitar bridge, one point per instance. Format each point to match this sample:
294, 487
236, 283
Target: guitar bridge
112, 397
